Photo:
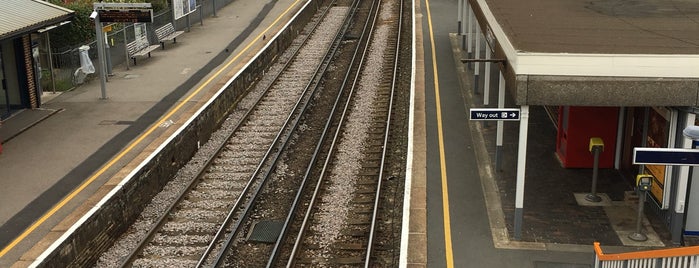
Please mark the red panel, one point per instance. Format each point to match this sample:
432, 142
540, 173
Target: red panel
572, 144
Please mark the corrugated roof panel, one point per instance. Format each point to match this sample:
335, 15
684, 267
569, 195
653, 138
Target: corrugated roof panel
17, 16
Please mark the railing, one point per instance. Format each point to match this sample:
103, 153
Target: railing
66, 60
665, 258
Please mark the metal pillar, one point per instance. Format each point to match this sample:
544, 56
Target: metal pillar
486, 83
638, 235
521, 166
476, 71
470, 36
107, 54
459, 16
683, 188
100, 52
593, 197
465, 10
126, 49
500, 124
53, 75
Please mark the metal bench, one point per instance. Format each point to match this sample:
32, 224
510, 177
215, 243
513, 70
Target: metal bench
137, 49
167, 32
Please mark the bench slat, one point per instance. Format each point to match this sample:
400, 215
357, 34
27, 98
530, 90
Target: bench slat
136, 49
167, 32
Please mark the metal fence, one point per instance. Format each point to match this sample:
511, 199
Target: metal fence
66, 61
683, 257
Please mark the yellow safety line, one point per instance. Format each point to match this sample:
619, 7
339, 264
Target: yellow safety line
442, 161
109, 164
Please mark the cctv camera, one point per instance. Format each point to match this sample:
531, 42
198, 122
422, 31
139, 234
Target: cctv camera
93, 15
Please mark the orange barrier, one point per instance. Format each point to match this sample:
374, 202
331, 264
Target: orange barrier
648, 254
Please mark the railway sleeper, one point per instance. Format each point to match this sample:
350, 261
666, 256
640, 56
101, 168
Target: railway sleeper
173, 251
189, 228
350, 246
366, 190
348, 260
164, 263
355, 233
379, 113
197, 215
369, 179
240, 168
356, 221
217, 175
204, 194
207, 204
375, 168
371, 164
373, 152
166, 240
233, 185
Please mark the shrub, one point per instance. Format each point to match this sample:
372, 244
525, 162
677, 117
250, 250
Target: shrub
82, 29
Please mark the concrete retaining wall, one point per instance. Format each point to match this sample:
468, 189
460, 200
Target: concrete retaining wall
83, 246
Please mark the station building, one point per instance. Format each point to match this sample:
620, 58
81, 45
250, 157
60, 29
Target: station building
623, 71
21, 25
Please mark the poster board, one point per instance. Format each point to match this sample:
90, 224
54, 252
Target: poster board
141, 34
181, 8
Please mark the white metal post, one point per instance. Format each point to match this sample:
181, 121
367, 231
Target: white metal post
459, 16
100, 54
678, 218
470, 35
466, 9
500, 126
486, 83
521, 166
476, 71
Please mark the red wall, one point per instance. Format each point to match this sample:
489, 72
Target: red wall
572, 144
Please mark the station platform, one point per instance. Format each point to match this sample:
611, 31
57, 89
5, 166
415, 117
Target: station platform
469, 206
56, 159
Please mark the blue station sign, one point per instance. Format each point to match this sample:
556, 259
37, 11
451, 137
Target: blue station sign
666, 156
496, 114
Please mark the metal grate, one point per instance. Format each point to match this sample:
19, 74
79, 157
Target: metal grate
265, 231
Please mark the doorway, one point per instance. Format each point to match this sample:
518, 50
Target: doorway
4, 94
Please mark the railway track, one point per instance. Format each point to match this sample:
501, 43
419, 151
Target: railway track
317, 125
192, 232
340, 221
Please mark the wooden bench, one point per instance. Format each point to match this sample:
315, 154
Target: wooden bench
167, 32
137, 48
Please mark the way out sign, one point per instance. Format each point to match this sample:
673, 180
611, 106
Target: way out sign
507, 114
666, 156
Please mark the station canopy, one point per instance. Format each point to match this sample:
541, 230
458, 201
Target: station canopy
595, 53
18, 17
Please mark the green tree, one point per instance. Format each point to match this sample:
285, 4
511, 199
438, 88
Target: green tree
82, 29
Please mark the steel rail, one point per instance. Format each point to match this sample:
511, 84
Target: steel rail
200, 173
372, 229
309, 90
366, 33
297, 199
